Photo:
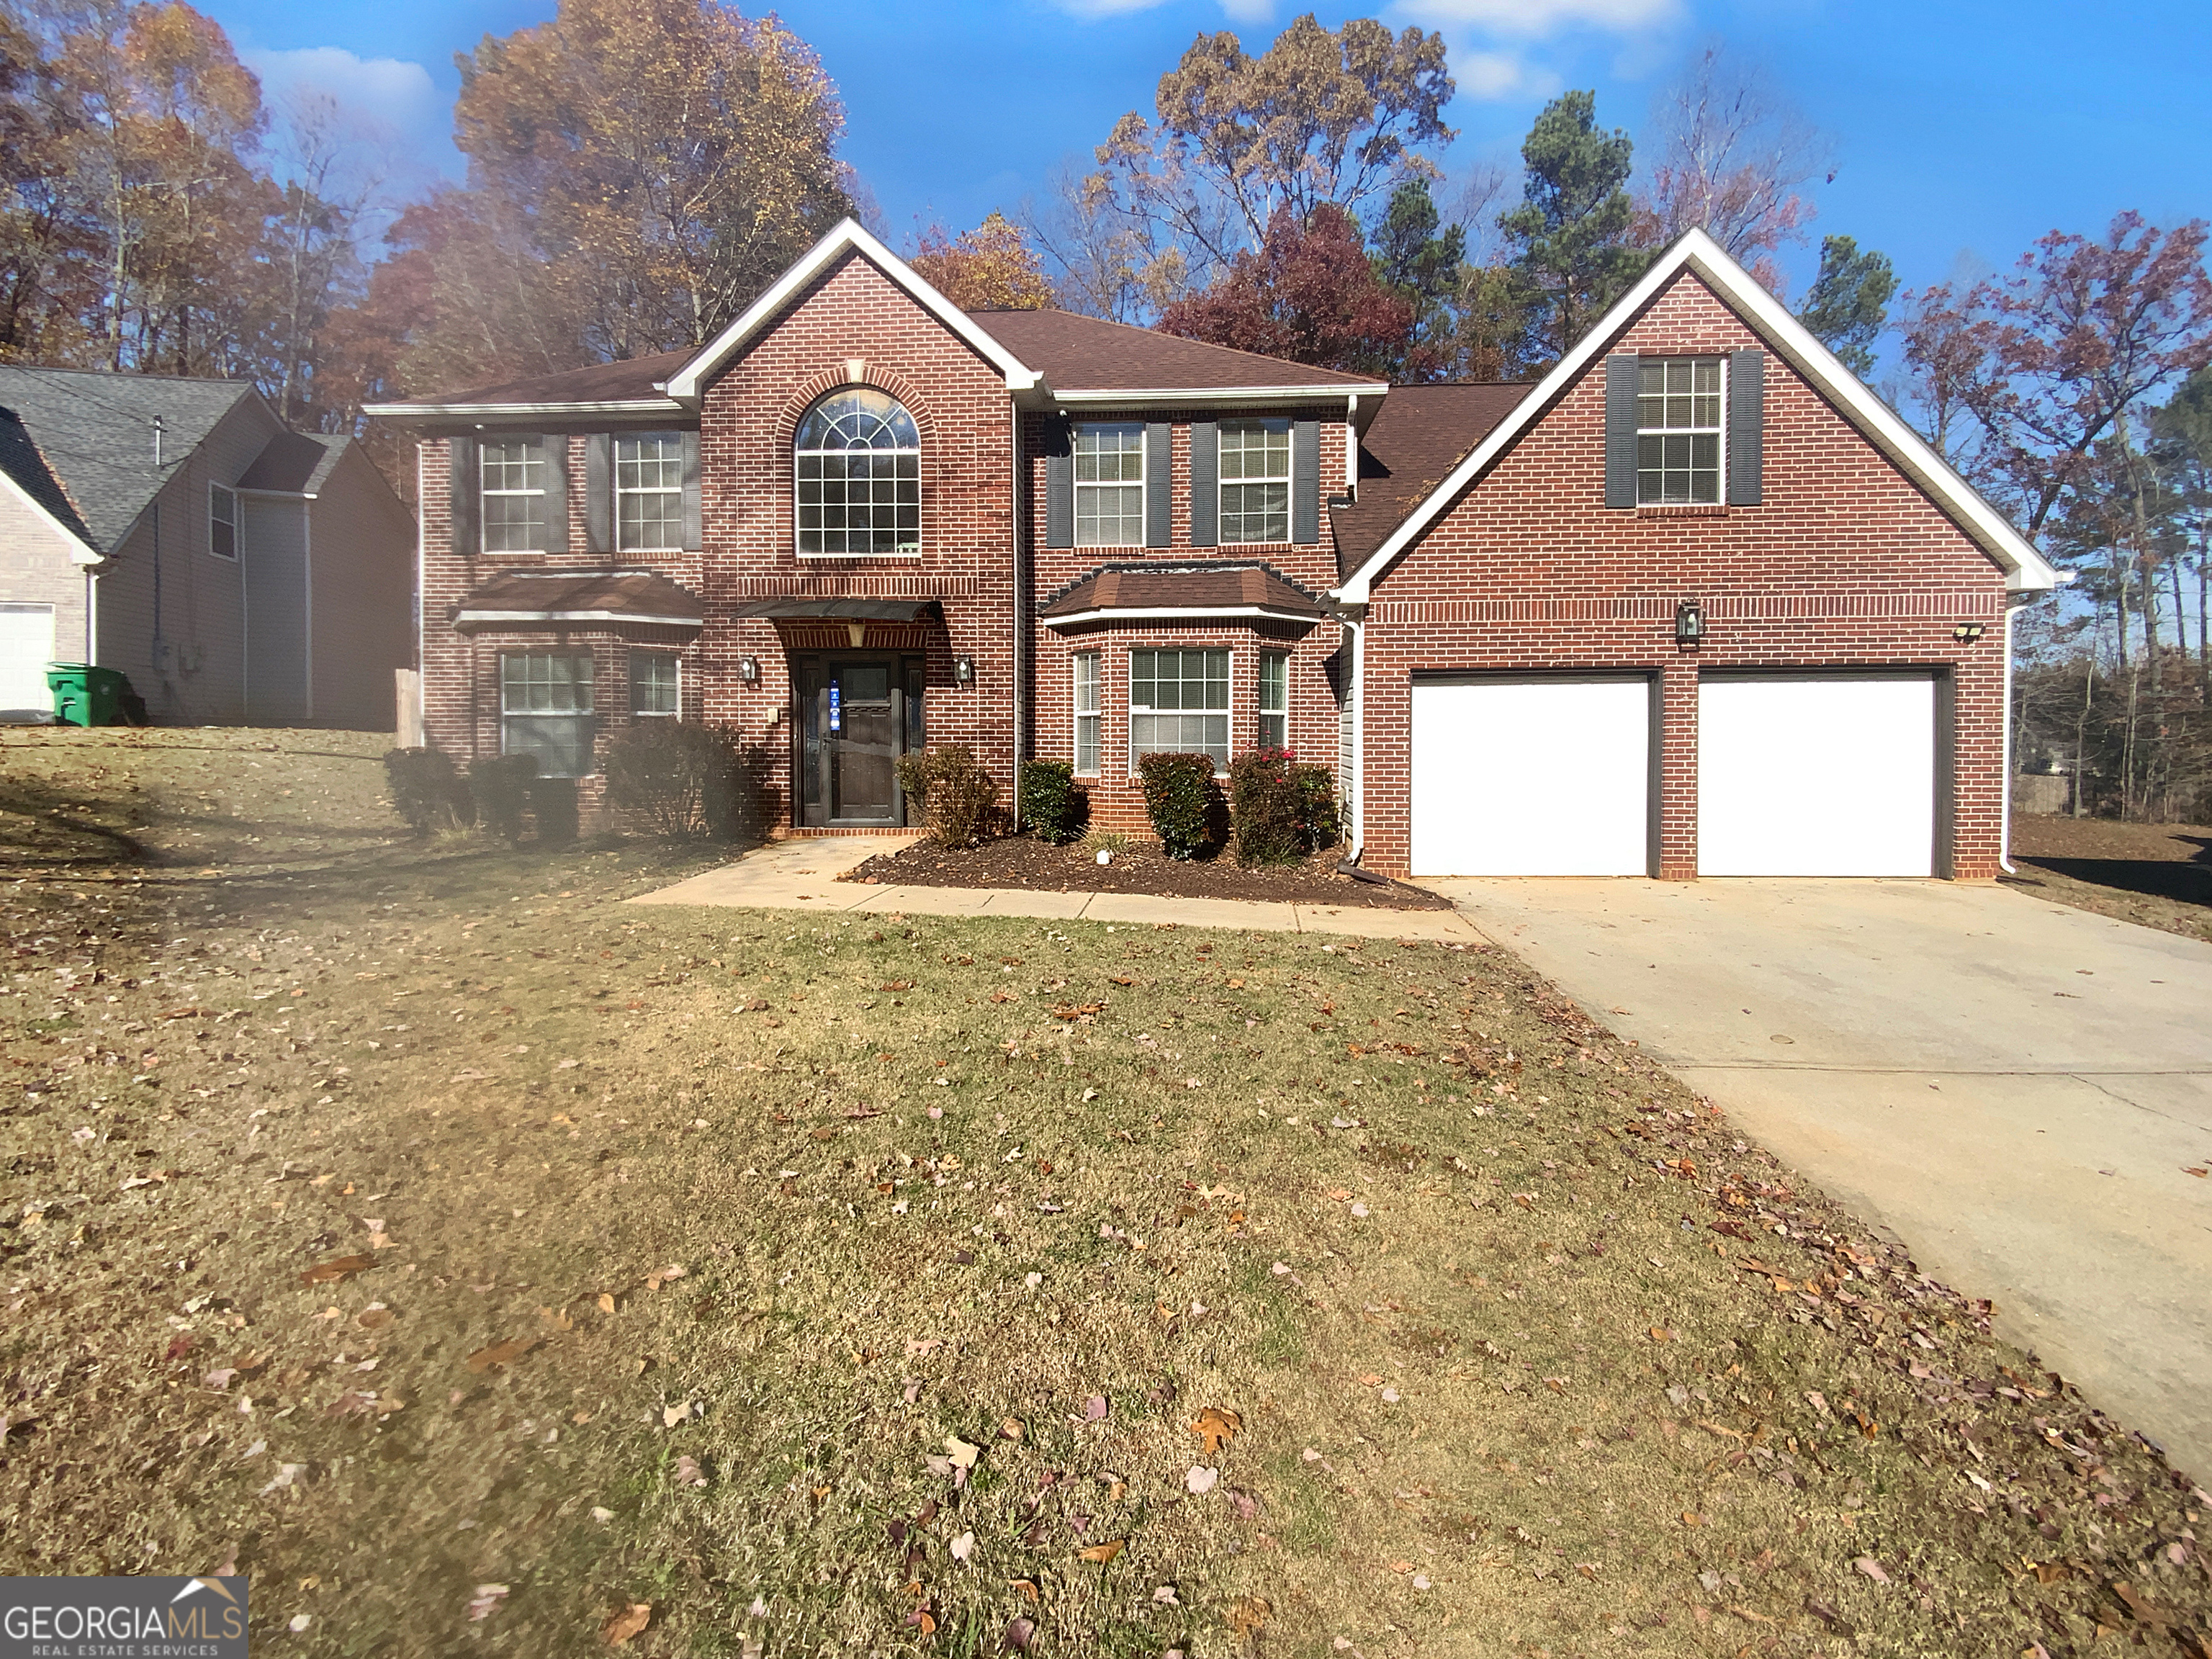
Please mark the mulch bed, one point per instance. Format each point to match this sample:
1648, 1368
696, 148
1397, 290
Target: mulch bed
1141, 867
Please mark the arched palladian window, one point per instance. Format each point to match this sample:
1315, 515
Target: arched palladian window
859, 476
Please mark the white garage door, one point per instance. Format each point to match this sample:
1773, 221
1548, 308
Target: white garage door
1540, 777
1816, 776
27, 646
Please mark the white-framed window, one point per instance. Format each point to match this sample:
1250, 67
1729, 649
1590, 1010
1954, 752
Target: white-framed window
545, 710
1179, 705
1087, 720
222, 522
1256, 481
1678, 431
649, 492
513, 496
1109, 484
858, 456
1274, 700
656, 684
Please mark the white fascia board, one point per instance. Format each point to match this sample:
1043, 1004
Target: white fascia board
576, 616
513, 411
689, 383
81, 551
2025, 569
1217, 394
1179, 613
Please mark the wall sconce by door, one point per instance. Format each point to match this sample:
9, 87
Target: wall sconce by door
1689, 624
963, 670
748, 670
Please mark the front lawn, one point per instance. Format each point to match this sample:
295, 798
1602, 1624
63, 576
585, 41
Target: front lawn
480, 1262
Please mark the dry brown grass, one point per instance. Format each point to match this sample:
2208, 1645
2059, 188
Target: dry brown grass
1496, 1302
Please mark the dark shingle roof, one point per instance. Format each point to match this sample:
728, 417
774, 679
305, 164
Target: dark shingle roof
630, 379
20, 460
1077, 353
1419, 434
635, 595
294, 463
1182, 586
95, 432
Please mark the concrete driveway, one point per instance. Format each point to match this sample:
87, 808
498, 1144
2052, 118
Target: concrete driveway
2015, 1089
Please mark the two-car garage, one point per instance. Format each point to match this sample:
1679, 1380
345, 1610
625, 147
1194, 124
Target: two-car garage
1831, 774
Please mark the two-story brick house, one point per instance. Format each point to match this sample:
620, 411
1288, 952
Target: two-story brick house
1696, 601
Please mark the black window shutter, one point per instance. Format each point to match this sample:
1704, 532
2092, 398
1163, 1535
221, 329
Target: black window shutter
1305, 482
554, 447
1159, 440
1747, 418
1205, 484
466, 492
694, 536
599, 493
1059, 486
1621, 371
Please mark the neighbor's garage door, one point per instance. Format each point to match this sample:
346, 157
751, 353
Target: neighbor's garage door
1538, 777
1807, 774
27, 646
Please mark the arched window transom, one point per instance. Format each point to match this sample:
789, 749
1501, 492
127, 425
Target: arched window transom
859, 461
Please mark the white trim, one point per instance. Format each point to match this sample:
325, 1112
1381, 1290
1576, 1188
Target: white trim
2004, 804
1719, 433
502, 411
1076, 716
1077, 486
2027, 570
630, 655
1290, 483
616, 492
576, 616
1260, 693
688, 384
237, 524
307, 596
81, 551
1227, 711
1180, 613
1221, 395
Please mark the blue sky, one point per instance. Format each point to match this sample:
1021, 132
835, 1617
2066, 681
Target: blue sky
1959, 131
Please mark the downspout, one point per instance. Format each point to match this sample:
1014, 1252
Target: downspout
1359, 632
1019, 601
2004, 800
92, 615
244, 615
422, 637
308, 574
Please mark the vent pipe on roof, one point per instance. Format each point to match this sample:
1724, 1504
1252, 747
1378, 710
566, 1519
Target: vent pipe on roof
158, 430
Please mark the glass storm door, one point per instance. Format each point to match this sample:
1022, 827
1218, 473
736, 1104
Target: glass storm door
861, 714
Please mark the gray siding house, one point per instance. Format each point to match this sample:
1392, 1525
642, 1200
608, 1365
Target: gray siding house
239, 571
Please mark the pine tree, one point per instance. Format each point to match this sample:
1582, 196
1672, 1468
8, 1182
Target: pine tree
1569, 238
1847, 308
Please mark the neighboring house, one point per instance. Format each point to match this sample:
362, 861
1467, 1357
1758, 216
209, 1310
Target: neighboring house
239, 573
1695, 603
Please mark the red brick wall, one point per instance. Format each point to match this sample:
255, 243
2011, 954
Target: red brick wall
1846, 563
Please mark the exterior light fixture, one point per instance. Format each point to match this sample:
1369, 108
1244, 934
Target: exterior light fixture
963, 670
1689, 624
1967, 633
748, 670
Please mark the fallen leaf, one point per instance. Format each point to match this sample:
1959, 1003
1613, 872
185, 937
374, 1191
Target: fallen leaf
1872, 1569
626, 1624
964, 1547
1011, 1429
221, 1378
687, 1471
671, 1415
1020, 1637
1691, 1518
501, 1353
1102, 1553
1248, 1614
959, 1453
372, 1319
1201, 1480
2141, 1608
1094, 1409
331, 1272
606, 1302
1216, 1428
653, 1281
487, 1597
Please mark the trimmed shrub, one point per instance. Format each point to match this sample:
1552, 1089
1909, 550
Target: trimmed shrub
426, 791
1053, 803
1263, 807
676, 778
1181, 801
553, 811
1319, 823
955, 794
501, 785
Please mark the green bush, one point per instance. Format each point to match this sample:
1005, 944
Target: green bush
426, 791
501, 785
1053, 803
1181, 801
553, 811
1319, 824
677, 778
954, 794
1263, 807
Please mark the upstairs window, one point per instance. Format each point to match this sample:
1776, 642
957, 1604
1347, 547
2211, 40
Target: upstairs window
1110, 485
859, 460
649, 492
222, 522
1678, 431
1256, 481
514, 507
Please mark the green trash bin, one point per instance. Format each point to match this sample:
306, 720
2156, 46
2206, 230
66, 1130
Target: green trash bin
85, 695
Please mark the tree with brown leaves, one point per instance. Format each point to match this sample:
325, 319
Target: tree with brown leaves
990, 268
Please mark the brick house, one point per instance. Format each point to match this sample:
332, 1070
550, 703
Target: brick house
1696, 602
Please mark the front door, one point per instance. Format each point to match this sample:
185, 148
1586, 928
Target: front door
859, 714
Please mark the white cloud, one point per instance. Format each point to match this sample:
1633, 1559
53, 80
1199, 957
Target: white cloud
1249, 11
393, 91
1501, 75
1537, 19
1106, 8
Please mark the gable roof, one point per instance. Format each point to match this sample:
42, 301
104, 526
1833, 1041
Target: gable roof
1081, 357
294, 463
27, 471
94, 432
1695, 251
1420, 433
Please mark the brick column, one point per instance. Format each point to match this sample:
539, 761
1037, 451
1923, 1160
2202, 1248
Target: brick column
1678, 769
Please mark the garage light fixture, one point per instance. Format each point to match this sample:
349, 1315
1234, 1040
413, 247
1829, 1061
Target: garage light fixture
748, 670
1689, 624
964, 670
1967, 633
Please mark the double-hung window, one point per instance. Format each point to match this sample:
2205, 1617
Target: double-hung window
514, 505
1110, 485
655, 685
1087, 713
1179, 705
1274, 700
222, 522
545, 710
1256, 481
649, 492
1678, 431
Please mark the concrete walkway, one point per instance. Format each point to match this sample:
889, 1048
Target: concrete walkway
2016, 1089
801, 874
